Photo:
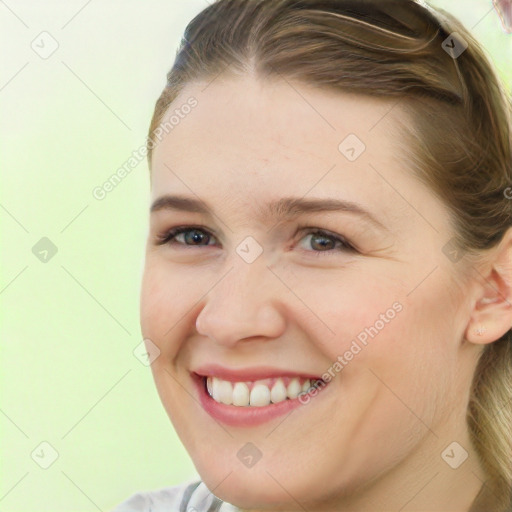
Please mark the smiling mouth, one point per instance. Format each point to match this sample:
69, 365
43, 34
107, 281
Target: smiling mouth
259, 393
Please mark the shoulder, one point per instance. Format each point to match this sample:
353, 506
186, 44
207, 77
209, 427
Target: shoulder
189, 496
166, 499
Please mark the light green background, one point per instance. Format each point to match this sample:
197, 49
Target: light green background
70, 325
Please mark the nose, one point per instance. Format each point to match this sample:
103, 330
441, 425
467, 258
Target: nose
244, 304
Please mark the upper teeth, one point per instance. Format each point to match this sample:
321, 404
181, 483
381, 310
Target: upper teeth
258, 393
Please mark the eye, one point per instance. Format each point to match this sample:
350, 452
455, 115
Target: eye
326, 242
170, 236
195, 236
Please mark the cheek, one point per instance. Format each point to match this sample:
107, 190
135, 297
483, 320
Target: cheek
166, 296
347, 309
153, 301
413, 359
384, 336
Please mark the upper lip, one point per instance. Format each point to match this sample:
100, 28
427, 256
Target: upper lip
250, 373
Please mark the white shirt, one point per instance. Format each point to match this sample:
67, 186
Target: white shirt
194, 496
190, 496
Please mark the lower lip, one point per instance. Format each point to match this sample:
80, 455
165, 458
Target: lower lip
239, 416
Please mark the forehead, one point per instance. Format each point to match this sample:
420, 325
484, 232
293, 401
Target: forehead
248, 141
256, 117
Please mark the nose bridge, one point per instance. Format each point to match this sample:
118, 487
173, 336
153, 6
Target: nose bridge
242, 304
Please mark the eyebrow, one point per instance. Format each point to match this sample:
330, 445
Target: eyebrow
283, 209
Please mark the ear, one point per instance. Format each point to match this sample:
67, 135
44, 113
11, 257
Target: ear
491, 317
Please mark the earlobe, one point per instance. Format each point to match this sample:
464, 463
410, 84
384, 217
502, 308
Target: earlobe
481, 330
492, 314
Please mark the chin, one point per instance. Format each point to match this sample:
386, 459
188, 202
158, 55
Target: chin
248, 492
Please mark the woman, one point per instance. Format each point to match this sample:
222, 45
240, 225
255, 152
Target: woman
327, 290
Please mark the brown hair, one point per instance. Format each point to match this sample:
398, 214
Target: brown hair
459, 142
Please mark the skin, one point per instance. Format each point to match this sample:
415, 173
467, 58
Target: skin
504, 10
373, 439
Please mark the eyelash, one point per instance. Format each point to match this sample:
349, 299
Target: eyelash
169, 236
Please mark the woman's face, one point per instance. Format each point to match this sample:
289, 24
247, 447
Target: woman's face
252, 288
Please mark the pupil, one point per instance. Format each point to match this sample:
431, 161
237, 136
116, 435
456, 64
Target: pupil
321, 237
195, 236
